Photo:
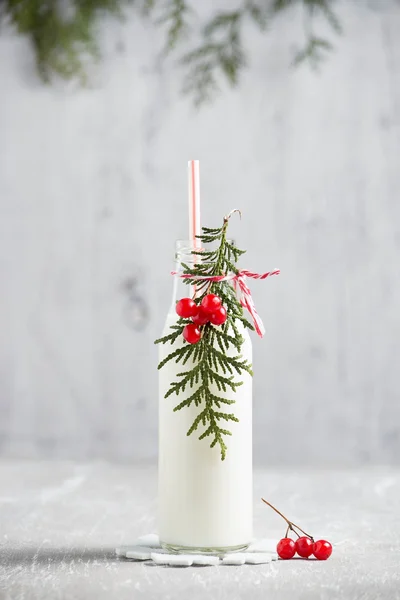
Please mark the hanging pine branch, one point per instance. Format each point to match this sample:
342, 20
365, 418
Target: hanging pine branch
61, 34
211, 366
64, 34
175, 17
221, 55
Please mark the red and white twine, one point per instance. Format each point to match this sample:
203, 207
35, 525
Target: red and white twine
239, 282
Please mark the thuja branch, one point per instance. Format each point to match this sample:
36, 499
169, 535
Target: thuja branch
221, 54
63, 35
215, 366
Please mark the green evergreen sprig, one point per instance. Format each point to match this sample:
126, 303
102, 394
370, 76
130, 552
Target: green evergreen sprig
211, 366
64, 35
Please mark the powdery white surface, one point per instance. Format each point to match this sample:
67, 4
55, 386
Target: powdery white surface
61, 522
259, 552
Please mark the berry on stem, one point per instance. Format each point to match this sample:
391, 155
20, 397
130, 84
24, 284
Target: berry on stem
186, 308
192, 333
322, 549
211, 303
201, 317
286, 548
219, 316
304, 546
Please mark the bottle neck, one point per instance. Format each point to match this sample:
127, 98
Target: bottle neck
181, 289
184, 256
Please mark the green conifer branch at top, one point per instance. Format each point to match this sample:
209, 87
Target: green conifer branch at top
211, 368
65, 35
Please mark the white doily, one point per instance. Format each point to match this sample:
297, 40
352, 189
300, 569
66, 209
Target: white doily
148, 547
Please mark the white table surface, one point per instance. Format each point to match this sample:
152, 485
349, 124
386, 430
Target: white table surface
60, 524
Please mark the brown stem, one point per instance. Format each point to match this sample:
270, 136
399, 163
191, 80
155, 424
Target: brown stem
291, 525
209, 287
294, 531
228, 216
302, 531
277, 511
198, 289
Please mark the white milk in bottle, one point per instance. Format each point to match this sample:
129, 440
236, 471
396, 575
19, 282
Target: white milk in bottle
205, 504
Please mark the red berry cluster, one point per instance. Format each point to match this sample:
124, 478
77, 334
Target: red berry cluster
209, 311
305, 546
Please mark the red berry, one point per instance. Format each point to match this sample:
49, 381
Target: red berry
304, 546
219, 316
286, 548
211, 303
322, 549
201, 317
186, 308
192, 333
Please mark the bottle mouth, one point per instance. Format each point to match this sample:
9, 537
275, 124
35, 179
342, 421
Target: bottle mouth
184, 249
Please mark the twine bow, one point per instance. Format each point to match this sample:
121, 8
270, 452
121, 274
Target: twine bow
239, 282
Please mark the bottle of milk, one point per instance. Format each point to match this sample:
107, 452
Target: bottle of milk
205, 503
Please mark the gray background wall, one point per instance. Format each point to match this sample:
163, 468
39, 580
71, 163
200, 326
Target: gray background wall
93, 195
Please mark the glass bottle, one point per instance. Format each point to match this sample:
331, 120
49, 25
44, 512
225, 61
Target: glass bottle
205, 504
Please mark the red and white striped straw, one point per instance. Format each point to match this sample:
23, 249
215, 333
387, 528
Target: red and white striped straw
194, 201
